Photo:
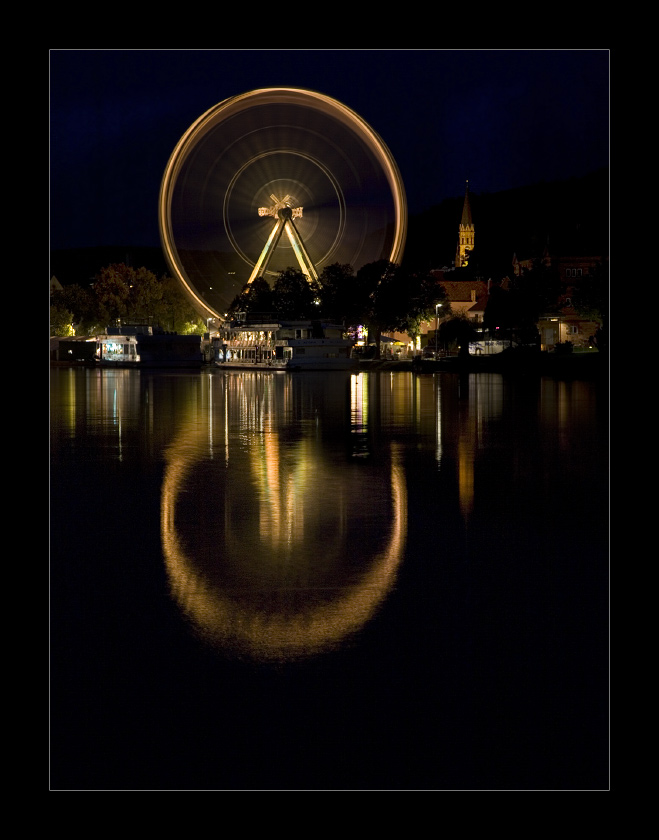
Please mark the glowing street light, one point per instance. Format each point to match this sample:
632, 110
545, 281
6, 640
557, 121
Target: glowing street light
438, 306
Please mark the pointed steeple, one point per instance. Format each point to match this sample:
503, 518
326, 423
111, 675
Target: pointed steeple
466, 233
466, 210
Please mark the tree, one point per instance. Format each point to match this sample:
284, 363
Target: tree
590, 298
514, 312
124, 293
536, 292
377, 298
82, 307
423, 293
396, 298
255, 297
121, 293
112, 290
458, 330
499, 315
337, 294
145, 295
61, 321
174, 312
294, 296
590, 294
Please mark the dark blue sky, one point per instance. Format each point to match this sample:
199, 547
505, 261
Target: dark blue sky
500, 118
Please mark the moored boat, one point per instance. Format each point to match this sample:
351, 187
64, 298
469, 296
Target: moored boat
285, 346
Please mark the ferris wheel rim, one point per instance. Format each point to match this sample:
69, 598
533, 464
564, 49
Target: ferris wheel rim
214, 116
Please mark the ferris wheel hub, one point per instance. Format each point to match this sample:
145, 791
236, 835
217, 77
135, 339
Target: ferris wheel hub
285, 209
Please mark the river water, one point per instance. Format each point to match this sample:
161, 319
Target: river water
337, 581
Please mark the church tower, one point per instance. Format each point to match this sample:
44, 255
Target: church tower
465, 234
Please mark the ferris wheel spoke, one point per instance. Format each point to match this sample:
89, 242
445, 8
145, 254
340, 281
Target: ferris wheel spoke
303, 258
268, 250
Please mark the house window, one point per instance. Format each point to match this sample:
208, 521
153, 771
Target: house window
574, 330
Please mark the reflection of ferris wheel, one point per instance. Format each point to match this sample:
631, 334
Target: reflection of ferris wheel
275, 178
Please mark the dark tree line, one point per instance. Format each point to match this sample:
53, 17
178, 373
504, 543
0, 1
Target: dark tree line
514, 308
122, 294
515, 311
382, 296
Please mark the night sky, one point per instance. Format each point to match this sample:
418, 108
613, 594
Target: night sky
501, 119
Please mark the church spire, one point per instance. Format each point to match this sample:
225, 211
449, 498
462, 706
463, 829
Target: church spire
465, 233
466, 209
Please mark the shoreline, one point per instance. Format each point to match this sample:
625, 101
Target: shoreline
580, 366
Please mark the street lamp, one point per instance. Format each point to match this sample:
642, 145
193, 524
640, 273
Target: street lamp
438, 306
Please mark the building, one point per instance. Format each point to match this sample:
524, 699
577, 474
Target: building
562, 323
467, 297
170, 350
569, 260
140, 345
73, 350
466, 234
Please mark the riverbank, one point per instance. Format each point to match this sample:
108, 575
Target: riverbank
572, 365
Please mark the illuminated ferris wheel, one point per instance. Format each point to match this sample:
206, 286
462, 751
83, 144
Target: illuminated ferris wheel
275, 178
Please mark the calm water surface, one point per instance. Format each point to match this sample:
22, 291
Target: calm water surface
265, 581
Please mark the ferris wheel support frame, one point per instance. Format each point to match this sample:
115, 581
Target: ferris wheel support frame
283, 213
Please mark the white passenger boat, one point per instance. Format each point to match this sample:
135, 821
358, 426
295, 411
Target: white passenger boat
286, 346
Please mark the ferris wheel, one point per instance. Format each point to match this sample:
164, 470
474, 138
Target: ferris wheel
274, 178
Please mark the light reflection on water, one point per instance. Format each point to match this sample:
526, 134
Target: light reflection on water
381, 581
276, 545
284, 501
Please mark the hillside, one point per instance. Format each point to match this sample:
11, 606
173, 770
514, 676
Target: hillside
572, 216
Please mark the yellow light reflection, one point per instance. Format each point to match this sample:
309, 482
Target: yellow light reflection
284, 580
